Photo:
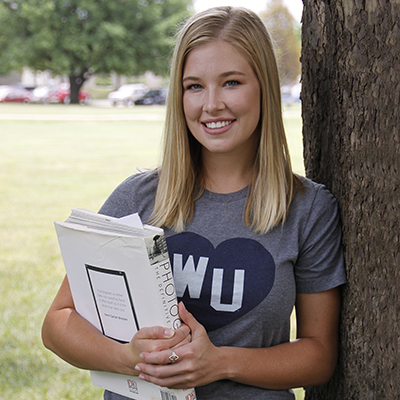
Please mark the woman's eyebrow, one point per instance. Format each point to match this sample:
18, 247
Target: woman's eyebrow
234, 72
190, 78
223, 75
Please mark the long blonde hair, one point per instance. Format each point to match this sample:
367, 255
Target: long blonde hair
273, 185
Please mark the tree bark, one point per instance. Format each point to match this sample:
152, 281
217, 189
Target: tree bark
351, 132
76, 80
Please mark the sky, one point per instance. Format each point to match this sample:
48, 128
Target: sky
295, 6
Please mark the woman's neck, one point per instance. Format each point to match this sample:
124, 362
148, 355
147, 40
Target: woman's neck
226, 175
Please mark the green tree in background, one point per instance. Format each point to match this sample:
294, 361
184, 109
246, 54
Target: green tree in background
285, 31
80, 37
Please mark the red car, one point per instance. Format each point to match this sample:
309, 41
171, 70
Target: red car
14, 94
62, 94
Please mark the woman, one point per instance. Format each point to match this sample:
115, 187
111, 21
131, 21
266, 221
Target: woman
247, 238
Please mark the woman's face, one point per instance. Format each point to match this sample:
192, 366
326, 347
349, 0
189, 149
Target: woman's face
221, 100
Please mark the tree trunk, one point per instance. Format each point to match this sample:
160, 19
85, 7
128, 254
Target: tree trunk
351, 129
76, 80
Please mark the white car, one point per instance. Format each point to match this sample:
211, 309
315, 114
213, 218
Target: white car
41, 94
127, 94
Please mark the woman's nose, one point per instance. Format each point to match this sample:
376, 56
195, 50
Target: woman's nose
213, 101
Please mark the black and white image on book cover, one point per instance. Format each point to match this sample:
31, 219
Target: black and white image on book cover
115, 307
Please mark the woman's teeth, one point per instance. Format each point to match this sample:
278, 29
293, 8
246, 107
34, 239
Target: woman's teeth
216, 125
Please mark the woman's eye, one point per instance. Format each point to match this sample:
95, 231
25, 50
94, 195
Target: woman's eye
194, 86
232, 83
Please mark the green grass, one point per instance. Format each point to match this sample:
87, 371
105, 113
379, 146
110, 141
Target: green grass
13, 109
46, 168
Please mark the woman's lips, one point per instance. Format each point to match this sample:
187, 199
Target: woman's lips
217, 127
218, 124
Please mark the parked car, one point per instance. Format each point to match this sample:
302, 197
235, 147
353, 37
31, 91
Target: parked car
158, 96
41, 94
127, 94
62, 94
14, 94
291, 94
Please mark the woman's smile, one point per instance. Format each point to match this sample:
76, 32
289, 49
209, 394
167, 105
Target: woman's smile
218, 127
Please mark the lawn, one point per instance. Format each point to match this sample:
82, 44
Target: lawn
70, 156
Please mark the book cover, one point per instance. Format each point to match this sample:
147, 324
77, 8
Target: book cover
121, 280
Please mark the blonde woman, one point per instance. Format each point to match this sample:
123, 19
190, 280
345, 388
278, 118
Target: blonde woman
247, 238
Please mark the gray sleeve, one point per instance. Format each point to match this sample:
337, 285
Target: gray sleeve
121, 200
320, 265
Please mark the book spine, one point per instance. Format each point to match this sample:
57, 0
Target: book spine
159, 259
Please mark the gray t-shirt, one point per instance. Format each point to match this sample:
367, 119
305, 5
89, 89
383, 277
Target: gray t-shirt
239, 284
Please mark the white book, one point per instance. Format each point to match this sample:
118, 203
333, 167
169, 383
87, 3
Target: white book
121, 280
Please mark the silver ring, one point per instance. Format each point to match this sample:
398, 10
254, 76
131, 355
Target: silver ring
173, 357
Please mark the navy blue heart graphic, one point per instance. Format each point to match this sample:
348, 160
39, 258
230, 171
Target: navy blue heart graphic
240, 261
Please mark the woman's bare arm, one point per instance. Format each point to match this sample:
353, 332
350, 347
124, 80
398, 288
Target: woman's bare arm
310, 360
79, 343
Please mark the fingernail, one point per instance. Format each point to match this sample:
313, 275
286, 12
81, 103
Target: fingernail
169, 333
138, 368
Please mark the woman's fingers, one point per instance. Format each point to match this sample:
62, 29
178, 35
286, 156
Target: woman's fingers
154, 332
162, 376
183, 366
157, 338
165, 372
196, 328
164, 357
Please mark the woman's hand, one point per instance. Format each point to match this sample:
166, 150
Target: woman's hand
197, 363
156, 339
78, 342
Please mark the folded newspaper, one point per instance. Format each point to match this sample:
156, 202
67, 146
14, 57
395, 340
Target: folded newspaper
121, 280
